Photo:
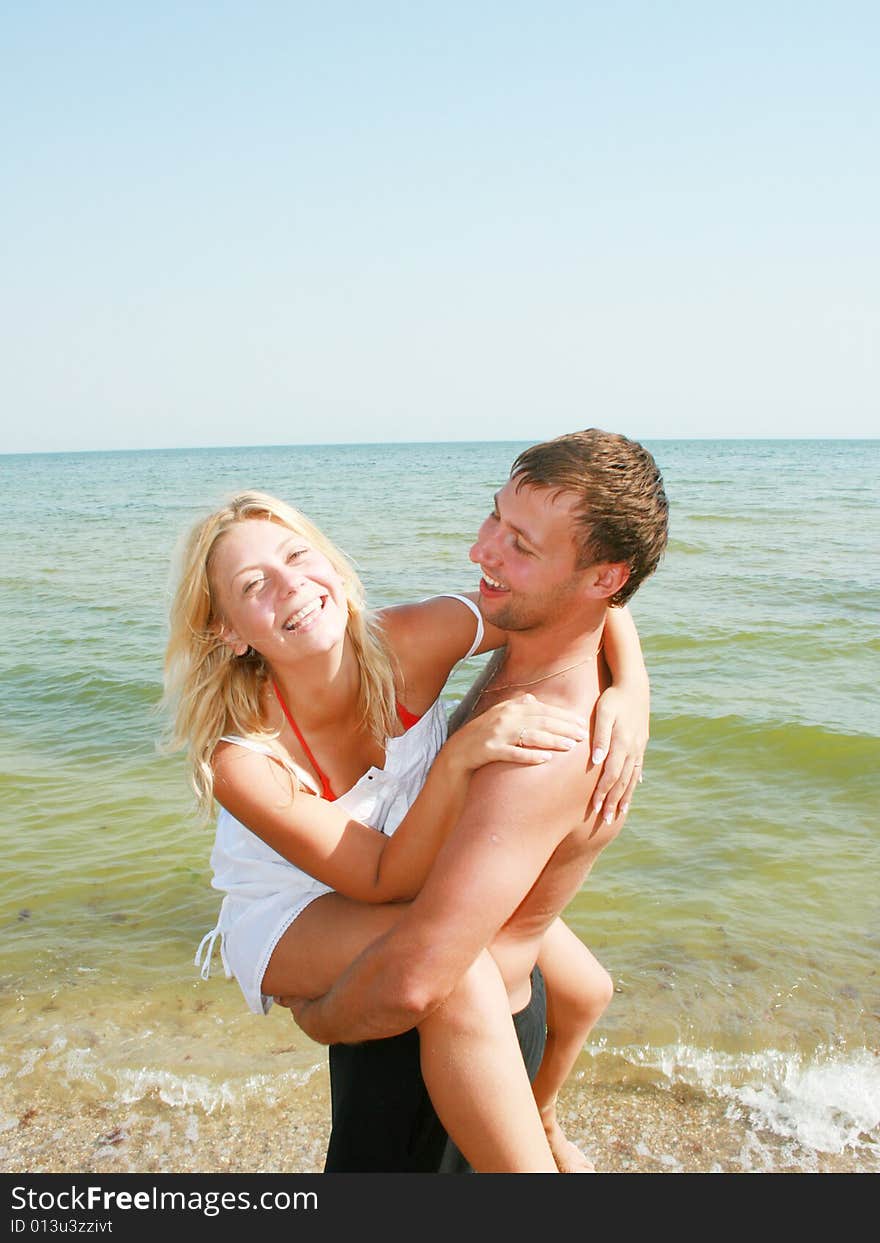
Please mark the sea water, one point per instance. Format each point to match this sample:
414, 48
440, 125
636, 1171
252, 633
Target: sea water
738, 912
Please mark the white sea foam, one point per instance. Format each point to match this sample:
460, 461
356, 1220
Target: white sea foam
828, 1107
826, 1103
84, 1068
198, 1090
30, 1059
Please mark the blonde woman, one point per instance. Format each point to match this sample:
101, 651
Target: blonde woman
314, 724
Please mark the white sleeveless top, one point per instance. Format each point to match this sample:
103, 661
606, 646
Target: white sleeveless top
265, 892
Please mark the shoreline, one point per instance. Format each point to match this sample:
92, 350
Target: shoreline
625, 1129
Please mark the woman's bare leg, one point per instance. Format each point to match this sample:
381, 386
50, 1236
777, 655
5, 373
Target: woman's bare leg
578, 991
322, 942
471, 1061
474, 1072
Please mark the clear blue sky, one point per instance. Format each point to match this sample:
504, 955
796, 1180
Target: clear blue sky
265, 223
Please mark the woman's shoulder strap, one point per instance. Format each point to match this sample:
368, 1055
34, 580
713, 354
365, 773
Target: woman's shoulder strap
478, 637
250, 744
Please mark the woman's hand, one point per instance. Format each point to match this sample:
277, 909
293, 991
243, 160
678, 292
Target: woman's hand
519, 731
621, 735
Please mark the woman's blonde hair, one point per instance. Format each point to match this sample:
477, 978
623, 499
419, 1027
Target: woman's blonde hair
210, 691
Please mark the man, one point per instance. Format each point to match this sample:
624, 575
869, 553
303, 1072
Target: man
580, 523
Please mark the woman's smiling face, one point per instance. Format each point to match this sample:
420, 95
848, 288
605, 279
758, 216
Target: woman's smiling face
275, 592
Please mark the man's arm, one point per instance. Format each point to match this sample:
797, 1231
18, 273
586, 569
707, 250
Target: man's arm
511, 824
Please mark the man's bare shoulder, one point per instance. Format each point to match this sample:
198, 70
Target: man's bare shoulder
553, 793
552, 802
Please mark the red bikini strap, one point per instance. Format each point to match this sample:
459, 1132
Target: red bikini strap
326, 791
407, 718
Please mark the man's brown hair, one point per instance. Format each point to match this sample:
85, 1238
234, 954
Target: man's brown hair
622, 511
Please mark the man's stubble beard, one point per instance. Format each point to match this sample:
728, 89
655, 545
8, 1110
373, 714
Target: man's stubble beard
517, 616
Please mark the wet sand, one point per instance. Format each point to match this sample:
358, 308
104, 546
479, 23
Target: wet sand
624, 1129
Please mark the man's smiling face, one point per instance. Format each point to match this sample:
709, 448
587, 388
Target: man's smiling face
528, 558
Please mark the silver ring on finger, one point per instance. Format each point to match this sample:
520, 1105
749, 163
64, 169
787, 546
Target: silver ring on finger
519, 741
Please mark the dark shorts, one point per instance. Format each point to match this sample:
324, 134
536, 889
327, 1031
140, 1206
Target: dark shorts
382, 1117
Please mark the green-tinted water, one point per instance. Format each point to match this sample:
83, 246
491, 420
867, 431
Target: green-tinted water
738, 912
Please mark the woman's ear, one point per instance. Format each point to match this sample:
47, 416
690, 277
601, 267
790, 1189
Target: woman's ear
236, 645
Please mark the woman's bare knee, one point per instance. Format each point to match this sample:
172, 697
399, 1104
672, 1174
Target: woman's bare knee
586, 1005
478, 1001
598, 995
